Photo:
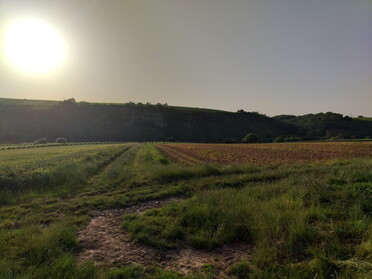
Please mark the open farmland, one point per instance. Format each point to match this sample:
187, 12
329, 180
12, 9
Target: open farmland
261, 154
128, 211
38, 170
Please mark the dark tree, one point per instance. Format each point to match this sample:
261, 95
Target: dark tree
61, 140
41, 141
251, 138
279, 139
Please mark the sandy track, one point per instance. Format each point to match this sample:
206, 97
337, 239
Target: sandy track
104, 242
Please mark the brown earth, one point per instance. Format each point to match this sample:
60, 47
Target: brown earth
261, 154
104, 242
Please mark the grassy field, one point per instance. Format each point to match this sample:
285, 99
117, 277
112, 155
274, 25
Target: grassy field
19, 102
302, 220
40, 145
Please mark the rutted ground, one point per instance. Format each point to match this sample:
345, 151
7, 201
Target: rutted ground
104, 242
262, 154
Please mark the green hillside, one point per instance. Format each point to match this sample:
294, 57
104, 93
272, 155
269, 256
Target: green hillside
27, 120
330, 125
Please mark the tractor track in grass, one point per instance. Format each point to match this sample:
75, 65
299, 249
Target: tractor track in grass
104, 243
109, 162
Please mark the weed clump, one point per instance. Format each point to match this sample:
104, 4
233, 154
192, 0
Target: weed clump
241, 270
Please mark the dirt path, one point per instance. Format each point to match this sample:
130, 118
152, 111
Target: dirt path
104, 242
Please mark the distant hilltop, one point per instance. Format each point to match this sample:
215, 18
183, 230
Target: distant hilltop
28, 120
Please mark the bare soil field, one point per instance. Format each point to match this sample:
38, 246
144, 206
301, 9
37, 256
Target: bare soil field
261, 154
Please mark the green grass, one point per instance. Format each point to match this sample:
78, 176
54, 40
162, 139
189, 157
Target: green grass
36, 104
50, 144
364, 118
317, 215
58, 170
303, 221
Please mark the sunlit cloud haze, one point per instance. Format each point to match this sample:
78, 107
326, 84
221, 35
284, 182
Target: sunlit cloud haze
271, 56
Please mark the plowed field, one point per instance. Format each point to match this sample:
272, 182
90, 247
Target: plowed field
260, 154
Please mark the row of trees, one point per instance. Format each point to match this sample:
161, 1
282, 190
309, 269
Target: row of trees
132, 104
254, 138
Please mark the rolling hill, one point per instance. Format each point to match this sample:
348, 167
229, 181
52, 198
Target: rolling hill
27, 120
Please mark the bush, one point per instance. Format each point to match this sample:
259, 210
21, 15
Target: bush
251, 138
279, 139
61, 140
293, 139
41, 141
69, 101
240, 269
230, 140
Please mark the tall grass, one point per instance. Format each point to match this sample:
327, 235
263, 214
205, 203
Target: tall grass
303, 221
313, 222
46, 253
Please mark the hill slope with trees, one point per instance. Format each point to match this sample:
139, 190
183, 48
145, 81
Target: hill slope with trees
25, 122
28, 120
329, 125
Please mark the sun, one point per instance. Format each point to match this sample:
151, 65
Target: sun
33, 46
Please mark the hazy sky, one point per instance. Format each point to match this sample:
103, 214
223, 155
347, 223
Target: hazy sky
271, 56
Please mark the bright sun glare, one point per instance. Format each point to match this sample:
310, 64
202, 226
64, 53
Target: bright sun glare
33, 46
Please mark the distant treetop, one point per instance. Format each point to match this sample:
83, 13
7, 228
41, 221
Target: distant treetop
71, 100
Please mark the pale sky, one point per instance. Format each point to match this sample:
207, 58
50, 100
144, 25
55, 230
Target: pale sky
271, 56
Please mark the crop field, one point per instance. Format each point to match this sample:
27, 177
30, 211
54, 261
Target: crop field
261, 154
33, 145
37, 170
186, 211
